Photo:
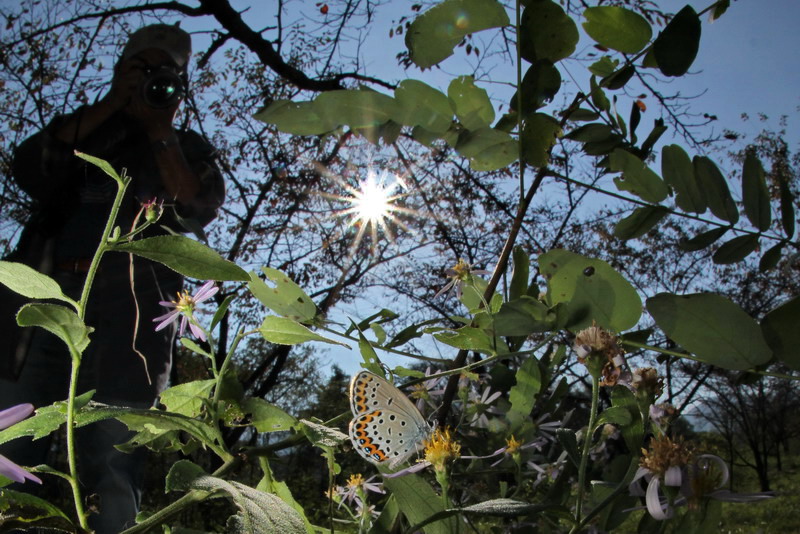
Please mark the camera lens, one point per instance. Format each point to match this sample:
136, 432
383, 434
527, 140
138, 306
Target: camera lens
162, 88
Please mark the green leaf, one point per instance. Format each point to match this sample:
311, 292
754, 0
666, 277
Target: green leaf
57, 320
24, 511
473, 107
320, 435
713, 184
469, 338
296, 118
711, 327
286, 331
522, 395
566, 437
488, 149
702, 240
637, 177
632, 431
371, 360
418, 501
540, 84
617, 28
599, 98
678, 173
539, 134
269, 484
30, 283
266, 417
258, 512
547, 32
770, 258
617, 415
755, 195
676, 46
618, 79
592, 291
284, 297
604, 66
639, 222
787, 209
419, 104
781, 333
519, 278
356, 108
188, 399
591, 133
736, 249
185, 256
433, 35
102, 164
523, 316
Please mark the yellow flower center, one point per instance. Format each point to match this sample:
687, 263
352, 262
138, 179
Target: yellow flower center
461, 270
441, 448
512, 445
355, 481
665, 453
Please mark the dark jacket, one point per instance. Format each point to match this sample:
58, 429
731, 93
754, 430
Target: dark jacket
73, 200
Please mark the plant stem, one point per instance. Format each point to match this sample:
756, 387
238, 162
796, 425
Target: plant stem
73, 468
587, 444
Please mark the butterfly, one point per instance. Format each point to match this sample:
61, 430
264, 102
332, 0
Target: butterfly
386, 427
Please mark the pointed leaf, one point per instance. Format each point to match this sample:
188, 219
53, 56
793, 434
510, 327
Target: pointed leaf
639, 222
782, 334
539, 85
105, 166
266, 417
736, 249
30, 283
539, 134
433, 35
488, 149
676, 46
678, 172
296, 118
185, 256
283, 296
547, 32
473, 107
711, 327
617, 28
418, 501
258, 512
770, 258
523, 316
713, 184
285, 331
419, 104
519, 278
755, 195
522, 395
787, 209
637, 177
187, 399
591, 289
702, 240
359, 108
57, 320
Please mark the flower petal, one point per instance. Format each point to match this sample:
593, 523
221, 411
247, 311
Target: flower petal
197, 331
11, 470
15, 414
673, 476
205, 292
653, 500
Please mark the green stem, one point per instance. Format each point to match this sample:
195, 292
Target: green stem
587, 444
73, 468
226, 363
101, 249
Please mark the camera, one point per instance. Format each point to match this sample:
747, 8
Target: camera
162, 87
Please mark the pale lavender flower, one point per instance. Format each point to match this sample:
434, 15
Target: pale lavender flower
184, 307
459, 274
9, 469
482, 405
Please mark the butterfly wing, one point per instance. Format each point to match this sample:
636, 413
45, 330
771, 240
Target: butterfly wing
387, 426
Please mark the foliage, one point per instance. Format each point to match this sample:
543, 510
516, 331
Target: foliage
518, 446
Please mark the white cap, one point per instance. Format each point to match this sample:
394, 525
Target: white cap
171, 39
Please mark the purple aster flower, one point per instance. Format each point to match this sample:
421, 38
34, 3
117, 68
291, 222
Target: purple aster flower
9, 469
184, 307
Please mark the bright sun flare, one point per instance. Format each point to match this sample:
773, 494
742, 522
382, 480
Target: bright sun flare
372, 203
